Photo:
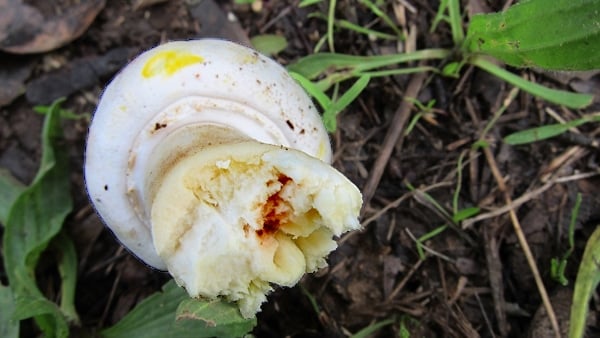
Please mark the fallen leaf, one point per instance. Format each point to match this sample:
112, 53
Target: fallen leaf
24, 30
79, 74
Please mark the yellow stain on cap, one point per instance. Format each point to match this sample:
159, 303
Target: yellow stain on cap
321, 151
168, 62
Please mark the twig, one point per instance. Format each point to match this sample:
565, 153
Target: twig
523, 242
428, 249
514, 204
405, 280
395, 203
494, 265
396, 129
485, 316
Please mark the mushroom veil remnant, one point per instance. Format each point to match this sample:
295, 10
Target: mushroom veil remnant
206, 159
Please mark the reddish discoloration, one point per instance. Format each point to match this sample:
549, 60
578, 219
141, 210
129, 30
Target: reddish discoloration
274, 212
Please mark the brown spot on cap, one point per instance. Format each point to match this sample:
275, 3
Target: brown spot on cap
158, 126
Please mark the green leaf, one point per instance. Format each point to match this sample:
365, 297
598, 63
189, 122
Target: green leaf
463, 214
364, 30
552, 34
314, 65
542, 133
269, 44
557, 270
67, 268
9, 328
331, 112
369, 330
587, 281
64, 113
568, 99
312, 89
305, 3
171, 313
219, 319
10, 189
35, 217
452, 69
383, 16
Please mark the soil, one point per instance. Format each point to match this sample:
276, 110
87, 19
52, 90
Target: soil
471, 280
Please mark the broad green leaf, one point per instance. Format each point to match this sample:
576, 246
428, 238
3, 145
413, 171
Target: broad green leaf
9, 328
161, 315
35, 217
551, 34
219, 319
586, 283
10, 189
568, 99
67, 268
269, 44
542, 133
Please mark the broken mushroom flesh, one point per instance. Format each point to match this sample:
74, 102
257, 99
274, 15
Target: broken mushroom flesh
207, 160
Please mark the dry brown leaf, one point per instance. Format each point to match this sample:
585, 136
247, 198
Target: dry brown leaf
24, 30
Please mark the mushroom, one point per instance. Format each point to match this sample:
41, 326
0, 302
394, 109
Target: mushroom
206, 159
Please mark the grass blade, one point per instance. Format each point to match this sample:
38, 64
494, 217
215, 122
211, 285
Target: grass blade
542, 133
331, 112
369, 330
568, 99
314, 65
587, 281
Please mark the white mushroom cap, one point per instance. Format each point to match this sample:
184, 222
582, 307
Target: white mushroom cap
169, 88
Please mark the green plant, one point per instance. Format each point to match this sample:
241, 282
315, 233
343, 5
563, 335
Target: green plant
557, 36
33, 223
547, 131
513, 36
588, 278
558, 265
452, 220
172, 313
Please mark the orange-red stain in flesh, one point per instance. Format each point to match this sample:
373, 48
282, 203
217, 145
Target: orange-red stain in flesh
273, 212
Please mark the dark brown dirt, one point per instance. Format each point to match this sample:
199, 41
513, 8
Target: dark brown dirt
474, 279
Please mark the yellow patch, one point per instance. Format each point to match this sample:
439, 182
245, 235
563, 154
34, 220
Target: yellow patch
321, 151
168, 62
